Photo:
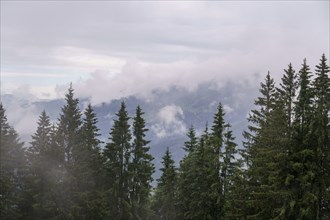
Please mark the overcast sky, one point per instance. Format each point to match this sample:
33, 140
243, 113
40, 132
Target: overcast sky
114, 49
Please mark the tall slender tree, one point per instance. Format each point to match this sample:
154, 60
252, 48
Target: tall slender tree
165, 197
39, 155
320, 127
217, 141
258, 152
69, 140
141, 169
88, 169
118, 154
12, 171
192, 141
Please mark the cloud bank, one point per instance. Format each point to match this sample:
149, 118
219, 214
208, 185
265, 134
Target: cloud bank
115, 49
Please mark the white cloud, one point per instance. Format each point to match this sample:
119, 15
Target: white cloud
227, 109
21, 113
116, 49
169, 121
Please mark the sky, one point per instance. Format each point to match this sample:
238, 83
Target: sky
113, 49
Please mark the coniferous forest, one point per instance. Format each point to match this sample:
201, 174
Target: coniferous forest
280, 171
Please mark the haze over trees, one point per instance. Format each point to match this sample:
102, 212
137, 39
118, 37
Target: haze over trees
282, 171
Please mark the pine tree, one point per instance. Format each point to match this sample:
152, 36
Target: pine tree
12, 171
141, 169
165, 196
118, 154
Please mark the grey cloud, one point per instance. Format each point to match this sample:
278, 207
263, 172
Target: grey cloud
126, 48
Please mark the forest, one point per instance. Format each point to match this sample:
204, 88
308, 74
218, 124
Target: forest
280, 171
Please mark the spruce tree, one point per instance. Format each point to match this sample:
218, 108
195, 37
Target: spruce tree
88, 169
12, 171
192, 141
117, 155
165, 195
69, 140
320, 127
69, 127
40, 166
216, 181
187, 176
141, 169
258, 152
229, 163
302, 204
287, 92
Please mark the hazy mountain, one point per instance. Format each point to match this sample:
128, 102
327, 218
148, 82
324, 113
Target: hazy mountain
168, 113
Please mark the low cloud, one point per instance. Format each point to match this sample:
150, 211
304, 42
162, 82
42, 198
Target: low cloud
169, 121
23, 116
141, 79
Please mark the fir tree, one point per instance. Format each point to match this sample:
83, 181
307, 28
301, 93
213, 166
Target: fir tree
216, 181
118, 154
320, 127
88, 169
40, 158
141, 169
229, 163
165, 197
187, 176
69, 140
287, 92
190, 145
302, 204
12, 172
69, 126
258, 152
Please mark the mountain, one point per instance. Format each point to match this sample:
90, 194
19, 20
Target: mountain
168, 113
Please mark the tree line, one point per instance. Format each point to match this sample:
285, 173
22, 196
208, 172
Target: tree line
281, 172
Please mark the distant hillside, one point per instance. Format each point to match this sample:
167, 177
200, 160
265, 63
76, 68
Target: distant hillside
168, 114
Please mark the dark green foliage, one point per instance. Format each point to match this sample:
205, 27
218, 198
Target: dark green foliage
287, 93
141, 169
165, 195
283, 171
264, 153
192, 142
69, 142
42, 164
207, 172
118, 157
88, 169
69, 126
13, 172
320, 139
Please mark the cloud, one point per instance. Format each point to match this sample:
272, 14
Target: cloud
112, 50
21, 113
169, 122
228, 109
106, 36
